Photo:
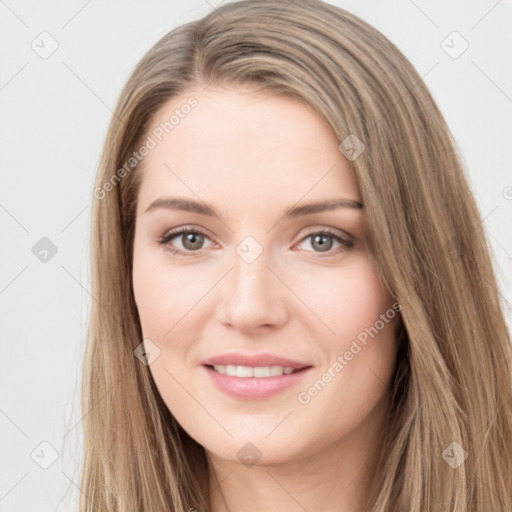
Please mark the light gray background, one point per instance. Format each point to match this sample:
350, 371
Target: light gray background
54, 117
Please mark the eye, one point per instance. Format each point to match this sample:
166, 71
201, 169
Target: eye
324, 241
187, 241
191, 240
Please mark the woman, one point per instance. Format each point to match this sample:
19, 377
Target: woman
295, 306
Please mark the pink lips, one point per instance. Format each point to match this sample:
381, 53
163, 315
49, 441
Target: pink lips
254, 387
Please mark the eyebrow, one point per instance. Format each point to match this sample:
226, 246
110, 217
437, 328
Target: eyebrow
188, 205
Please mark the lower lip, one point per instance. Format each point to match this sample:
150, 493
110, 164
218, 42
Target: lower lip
254, 387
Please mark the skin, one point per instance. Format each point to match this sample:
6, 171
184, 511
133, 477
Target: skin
252, 156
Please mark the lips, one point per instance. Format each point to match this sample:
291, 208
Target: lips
256, 376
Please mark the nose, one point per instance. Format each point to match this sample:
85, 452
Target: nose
252, 297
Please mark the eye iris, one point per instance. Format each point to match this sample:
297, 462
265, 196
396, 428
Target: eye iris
192, 241
324, 241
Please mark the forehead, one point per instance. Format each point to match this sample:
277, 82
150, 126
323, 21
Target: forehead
243, 145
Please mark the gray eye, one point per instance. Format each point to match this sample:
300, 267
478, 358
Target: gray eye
321, 242
192, 241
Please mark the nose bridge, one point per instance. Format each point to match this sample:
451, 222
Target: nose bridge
250, 274
252, 296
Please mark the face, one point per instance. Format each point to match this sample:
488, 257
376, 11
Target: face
273, 334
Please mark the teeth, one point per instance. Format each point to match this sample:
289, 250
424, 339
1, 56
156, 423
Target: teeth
250, 371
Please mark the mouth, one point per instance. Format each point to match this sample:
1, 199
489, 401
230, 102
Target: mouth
254, 376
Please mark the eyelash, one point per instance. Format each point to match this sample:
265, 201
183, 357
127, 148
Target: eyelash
165, 239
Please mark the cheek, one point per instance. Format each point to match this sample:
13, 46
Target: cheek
163, 293
165, 296
344, 301
357, 336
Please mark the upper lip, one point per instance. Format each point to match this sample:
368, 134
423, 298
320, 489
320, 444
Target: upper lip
254, 360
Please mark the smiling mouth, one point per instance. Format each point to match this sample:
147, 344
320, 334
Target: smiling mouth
254, 371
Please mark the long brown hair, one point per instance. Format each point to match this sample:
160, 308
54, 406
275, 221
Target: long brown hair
452, 389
